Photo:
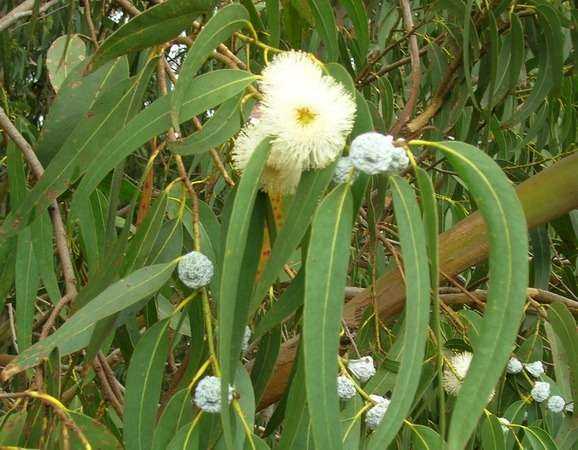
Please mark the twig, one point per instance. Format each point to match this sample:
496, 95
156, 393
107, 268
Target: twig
12, 327
90, 23
107, 391
415, 70
58, 408
24, 9
53, 315
438, 99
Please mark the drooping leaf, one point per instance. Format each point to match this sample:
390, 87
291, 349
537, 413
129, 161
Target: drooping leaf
144, 380
75, 333
507, 233
233, 309
415, 262
325, 279
221, 26
155, 26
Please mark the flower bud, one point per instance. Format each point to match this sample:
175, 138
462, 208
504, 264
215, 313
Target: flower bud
195, 270
362, 368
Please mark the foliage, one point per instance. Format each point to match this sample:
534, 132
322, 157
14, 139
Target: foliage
119, 122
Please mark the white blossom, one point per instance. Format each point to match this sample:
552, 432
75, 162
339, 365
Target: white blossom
535, 368
514, 366
362, 368
345, 387
195, 270
540, 391
455, 372
208, 394
246, 338
556, 404
308, 114
505, 423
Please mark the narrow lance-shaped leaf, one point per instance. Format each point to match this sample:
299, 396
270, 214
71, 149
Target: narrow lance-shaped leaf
75, 333
143, 386
325, 279
508, 237
207, 91
221, 26
231, 307
299, 216
218, 129
92, 133
415, 262
325, 21
564, 326
155, 26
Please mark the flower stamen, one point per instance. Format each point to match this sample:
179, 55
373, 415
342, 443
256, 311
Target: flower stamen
305, 115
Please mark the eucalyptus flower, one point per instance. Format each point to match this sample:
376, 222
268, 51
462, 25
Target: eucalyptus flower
455, 372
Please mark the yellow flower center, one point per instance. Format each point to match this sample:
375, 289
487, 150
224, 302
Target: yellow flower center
305, 115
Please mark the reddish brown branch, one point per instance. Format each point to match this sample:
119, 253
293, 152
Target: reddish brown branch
415, 70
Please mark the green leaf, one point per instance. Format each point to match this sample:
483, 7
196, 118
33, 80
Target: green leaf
538, 439
76, 97
424, 438
564, 326
273, 9
265, 362
492, 435
351, 423
415, 262
90, 136
75, 333
550, 62
325, 279
26, 282
143, 386
508, 275
156, 25
325, 24
541, 262
358, 15
225, 123
186, 438
287, 304
299, 216
44, 251
178, 412
296, 412
144, 239
233, 308
99, 436
64, 55
222, 25
207, 91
